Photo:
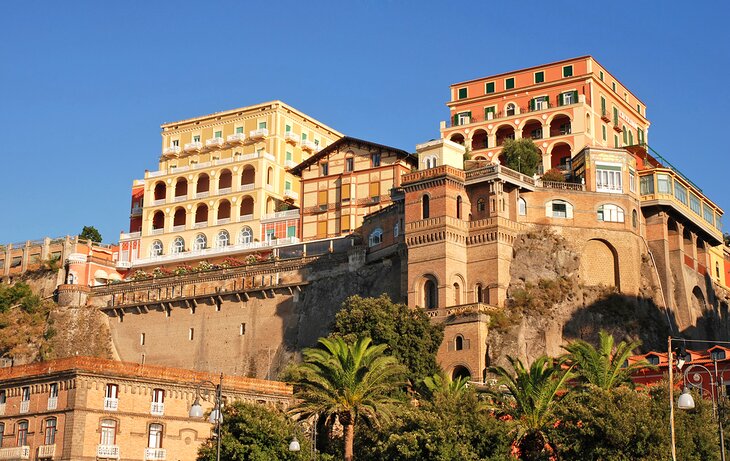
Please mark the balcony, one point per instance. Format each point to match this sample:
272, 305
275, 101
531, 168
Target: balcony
237, 138
107, 451
46, 451
52, 403
261, 133
245, 217
178, 228
193, 146
291, 138
510, 114
24, 406
136, 211
170, 151
155, 453
290, 164
202, 194
223, 221
15, 453
130, 236
225, 190
279, 215
200, 225
158, 202
213, 143
269, 187
291, 194
157, 231
157, 408
605, 117
111, 404
309, 146
124, 264
245, 187
617, 128
268, 156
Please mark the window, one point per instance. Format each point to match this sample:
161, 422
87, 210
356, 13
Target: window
287, 128
522, 206
262, 125
626, 134
462, 93
25, 394
396, 230
291, 231
539, 77
108, 432
708, 214
559, 209
489, 87
2, 431
23, 433
613, 86
196, 138
489, 112
632, 180
3, 396
509, 83
567, 71
156, 248
610, 213
634, 218
510, 109
287, 185
375, 159
539, 103
638, 108
458, 207
603, 107
718, 354
270, 235
175, 143
155, 436
615, 116
191, 334
324, 169
694, 203
200, 242
652, 359
481, 205
430, 296
603, 132
646, 184
600, 75
459, 343
567, 98
178, 246
142, 338
218, 134
663, 184
680, 192
608, 178
479, 293
322, 198
304, 136
425, 207
222, 239
288, 156
111, 392
349, 164
241, 329
615, 141
50, 431
462, 118
376, 237
239, 129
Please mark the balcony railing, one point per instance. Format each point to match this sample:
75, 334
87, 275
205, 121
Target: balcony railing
129, 236
238, 137
245, 217
178, 228
157, 202
52, 403
248, 186
507, 114
124, 264
200, 225
288, 214
291, 194
214, 142
157, 231
15, 453
111, 404
202, 194
291, 137
136, 211
269, 156
24, 406
309, 145
157, 408
107, 451
223, 221
180, 198
258, 134
171, 150
224, 190
46, 451
155, 453
560, 185
193, 146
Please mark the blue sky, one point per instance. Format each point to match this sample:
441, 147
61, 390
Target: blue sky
84, 86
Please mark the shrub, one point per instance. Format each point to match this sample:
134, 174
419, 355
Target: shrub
553, 175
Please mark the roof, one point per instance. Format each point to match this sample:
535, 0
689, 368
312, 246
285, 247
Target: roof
346, 141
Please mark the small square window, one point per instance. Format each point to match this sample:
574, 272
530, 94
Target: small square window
242, 329
196, 138
324, 169
218, 134
613, 86
600, 74
375, 159
489, 87
262, 125
349, 164
239, 129
509, 83
567, 71
539, 77
638, 108
462, 93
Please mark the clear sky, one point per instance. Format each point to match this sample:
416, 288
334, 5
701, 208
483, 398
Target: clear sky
85, 85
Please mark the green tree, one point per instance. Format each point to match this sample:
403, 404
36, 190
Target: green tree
349, 382
411, 337
90, 233
18, 295
554, 175
441, 384
256, 433
532, 395
604, 366
521, 155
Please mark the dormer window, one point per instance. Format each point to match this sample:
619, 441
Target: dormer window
652, 359
718, 354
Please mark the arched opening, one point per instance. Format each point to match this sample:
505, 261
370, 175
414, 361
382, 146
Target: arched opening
458, 138
505, 132
224, 211
634, 219
459, 343
224, 181
688, 242
270, 205
177, 246
460, 372
560, 156
179, 218
479, 293
270, 176
457, 294
458, 207
200, 242
201, 213
222, 239
160, 191
181, 188
698, 299
560, 125
599, 264
479, 140
203, 185
158, 220
532, 129
430, 293
521, 207
425, 207
245, 236
156, 248
510, 110
248, 177
247, 206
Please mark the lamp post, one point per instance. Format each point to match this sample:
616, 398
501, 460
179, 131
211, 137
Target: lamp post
216, 416
294, 445
686, 402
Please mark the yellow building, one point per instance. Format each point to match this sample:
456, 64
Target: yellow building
220, 176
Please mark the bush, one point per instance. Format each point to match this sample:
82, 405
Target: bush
553, 175
521, 155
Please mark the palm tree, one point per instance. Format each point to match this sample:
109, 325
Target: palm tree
347, 381
531, 396
440, 384
607, 366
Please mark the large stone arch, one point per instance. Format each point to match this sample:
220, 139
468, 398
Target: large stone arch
599, 264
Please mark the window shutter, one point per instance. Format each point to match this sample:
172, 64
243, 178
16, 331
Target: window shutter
374, 189
532, 104
456, 119
344, 223
321, 229
322, 197
575, 97
345, 193
568, 211
560, 99
549, 209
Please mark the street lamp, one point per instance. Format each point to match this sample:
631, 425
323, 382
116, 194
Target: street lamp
294, 445
686, 402
216, 416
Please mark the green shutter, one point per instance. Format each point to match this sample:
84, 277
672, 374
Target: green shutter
456, 119
469, 114
603, 105
575, 97
490, 87
532, 104
560, 99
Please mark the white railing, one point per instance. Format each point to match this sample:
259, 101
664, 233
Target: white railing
238, 137
171, 150
52, 403
214, 252
269, 187
129, 236
250, 156
179, 228
46, 451
260, 133
193, 146
155, 453
180, 198
24, 406
292, 194
281, 215
245, 217
223, 161
154, 174
290, 163
107, 451
124, 264
157, 231
309, 145
214, 142
223, 221
248, 186
269, 156
202, 194
15, 453
289, 136
158, 202
200, 225
157, 408
2, 409
111, 404
224, 190
136, 210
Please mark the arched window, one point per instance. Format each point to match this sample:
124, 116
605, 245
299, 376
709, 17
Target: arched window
459, 343
396, 230
178, 245
222, 239
559, 209
610, 213
481, 205
376, 237
156, 248
200, 243
160, 191
425, 211
479, 293
458, 207
50, 431
108, 432
634, 218
510, 109
245, 236
154, 439
270, 176
23, 433
430, 295
457, 294
201, 214
522, 206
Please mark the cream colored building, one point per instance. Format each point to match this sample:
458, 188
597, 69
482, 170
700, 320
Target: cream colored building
219, 176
